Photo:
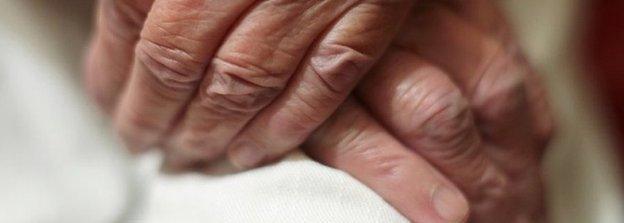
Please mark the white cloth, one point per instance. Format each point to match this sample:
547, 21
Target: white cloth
294, 190
58, 164
55, 164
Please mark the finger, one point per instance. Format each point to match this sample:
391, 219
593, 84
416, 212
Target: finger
353, 142
486, 71
490, 74
177, 41
118, 23
327, 75
487, 16
250, 69
426, 111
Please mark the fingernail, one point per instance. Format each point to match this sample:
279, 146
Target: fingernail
245, 156
450, 205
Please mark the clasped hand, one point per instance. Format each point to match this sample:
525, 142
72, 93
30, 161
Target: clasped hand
429, 103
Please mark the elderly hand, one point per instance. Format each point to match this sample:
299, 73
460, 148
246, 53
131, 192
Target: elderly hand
255, 78
452, 118
453, 95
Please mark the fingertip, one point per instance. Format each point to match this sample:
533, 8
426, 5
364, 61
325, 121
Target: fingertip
450, 204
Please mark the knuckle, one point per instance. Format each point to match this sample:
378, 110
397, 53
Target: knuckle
493, 186
385, 166
174, 67
356, 140
339, 66
229, 90
366, 148
438, 110
501, 92
251, 68
234, 102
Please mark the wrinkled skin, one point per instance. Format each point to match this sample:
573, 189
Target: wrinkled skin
479, 115
202, 78
449, 126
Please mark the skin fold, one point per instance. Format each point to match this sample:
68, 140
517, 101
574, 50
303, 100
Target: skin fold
479, 116
448, 125
202, 77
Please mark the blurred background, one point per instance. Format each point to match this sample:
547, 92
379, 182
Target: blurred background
59, 163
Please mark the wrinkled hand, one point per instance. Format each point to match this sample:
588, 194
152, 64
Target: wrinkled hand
250, 77
451, 107
453, 97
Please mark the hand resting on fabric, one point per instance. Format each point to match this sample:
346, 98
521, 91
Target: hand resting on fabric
449, 126
200, 78
453, 90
